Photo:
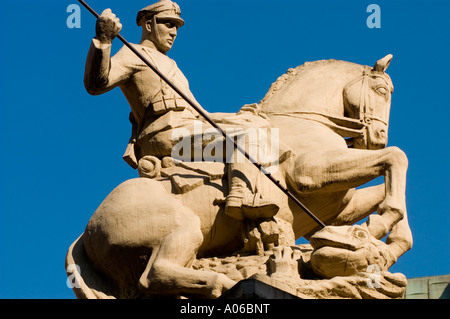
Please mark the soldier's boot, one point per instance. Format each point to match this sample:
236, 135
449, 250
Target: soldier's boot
242, 203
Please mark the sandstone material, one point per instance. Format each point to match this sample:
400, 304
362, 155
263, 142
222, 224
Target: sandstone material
187, 229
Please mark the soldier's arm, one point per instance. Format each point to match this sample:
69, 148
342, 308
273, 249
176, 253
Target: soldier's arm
103, 73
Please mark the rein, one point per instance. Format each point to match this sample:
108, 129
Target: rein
344, 126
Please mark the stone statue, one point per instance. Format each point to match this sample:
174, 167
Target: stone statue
162, 234
157, 110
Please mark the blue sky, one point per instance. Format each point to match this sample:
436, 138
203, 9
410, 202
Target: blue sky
61, 149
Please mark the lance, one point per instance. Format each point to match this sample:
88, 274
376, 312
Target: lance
199, 110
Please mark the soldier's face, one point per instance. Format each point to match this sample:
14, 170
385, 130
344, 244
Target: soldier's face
163, 34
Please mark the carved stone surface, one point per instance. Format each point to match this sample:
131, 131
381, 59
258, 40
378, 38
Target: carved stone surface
192, 229
264, 287
282, 268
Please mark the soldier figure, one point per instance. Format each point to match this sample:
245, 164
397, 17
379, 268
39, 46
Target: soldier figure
156, 109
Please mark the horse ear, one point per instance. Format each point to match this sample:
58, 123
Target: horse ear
383, 63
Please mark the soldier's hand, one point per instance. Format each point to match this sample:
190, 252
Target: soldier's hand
108, 27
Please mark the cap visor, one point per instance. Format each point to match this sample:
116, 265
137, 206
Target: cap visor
178, 21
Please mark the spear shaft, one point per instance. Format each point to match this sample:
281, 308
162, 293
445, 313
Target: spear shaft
213, 124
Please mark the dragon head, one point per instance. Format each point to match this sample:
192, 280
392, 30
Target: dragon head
347, 250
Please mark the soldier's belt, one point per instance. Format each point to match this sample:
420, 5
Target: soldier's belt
164, 105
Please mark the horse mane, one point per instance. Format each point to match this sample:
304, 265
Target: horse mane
291, 72
313, 85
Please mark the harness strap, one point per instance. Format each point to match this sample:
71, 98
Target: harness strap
344, 126
364, 114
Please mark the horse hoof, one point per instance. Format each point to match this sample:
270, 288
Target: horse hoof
391, 214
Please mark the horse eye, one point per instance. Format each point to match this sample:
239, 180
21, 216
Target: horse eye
382, 90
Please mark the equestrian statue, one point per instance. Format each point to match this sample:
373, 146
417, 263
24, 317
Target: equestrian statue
200, 213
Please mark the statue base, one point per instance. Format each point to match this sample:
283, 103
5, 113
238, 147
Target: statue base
260, 287
354, 287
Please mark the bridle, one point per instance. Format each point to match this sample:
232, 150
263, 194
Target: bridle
365, 116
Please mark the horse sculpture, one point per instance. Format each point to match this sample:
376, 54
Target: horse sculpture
333, 115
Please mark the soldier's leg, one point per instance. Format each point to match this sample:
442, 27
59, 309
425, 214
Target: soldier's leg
201, 141
245, 200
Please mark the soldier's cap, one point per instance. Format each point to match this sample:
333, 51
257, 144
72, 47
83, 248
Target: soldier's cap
163, 9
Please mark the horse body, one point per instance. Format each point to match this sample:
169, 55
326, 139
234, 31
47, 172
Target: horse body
144, 237
337, 99
301, 104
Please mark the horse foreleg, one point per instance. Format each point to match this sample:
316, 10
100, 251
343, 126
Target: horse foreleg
336, 170
399, 239
340, 170
364, 202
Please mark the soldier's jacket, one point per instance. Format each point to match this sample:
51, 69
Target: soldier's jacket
157, 110
141, 86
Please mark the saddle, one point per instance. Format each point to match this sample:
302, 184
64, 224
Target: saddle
184, 176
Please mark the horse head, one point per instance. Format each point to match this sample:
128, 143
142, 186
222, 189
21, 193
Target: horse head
368, 98
352, 99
